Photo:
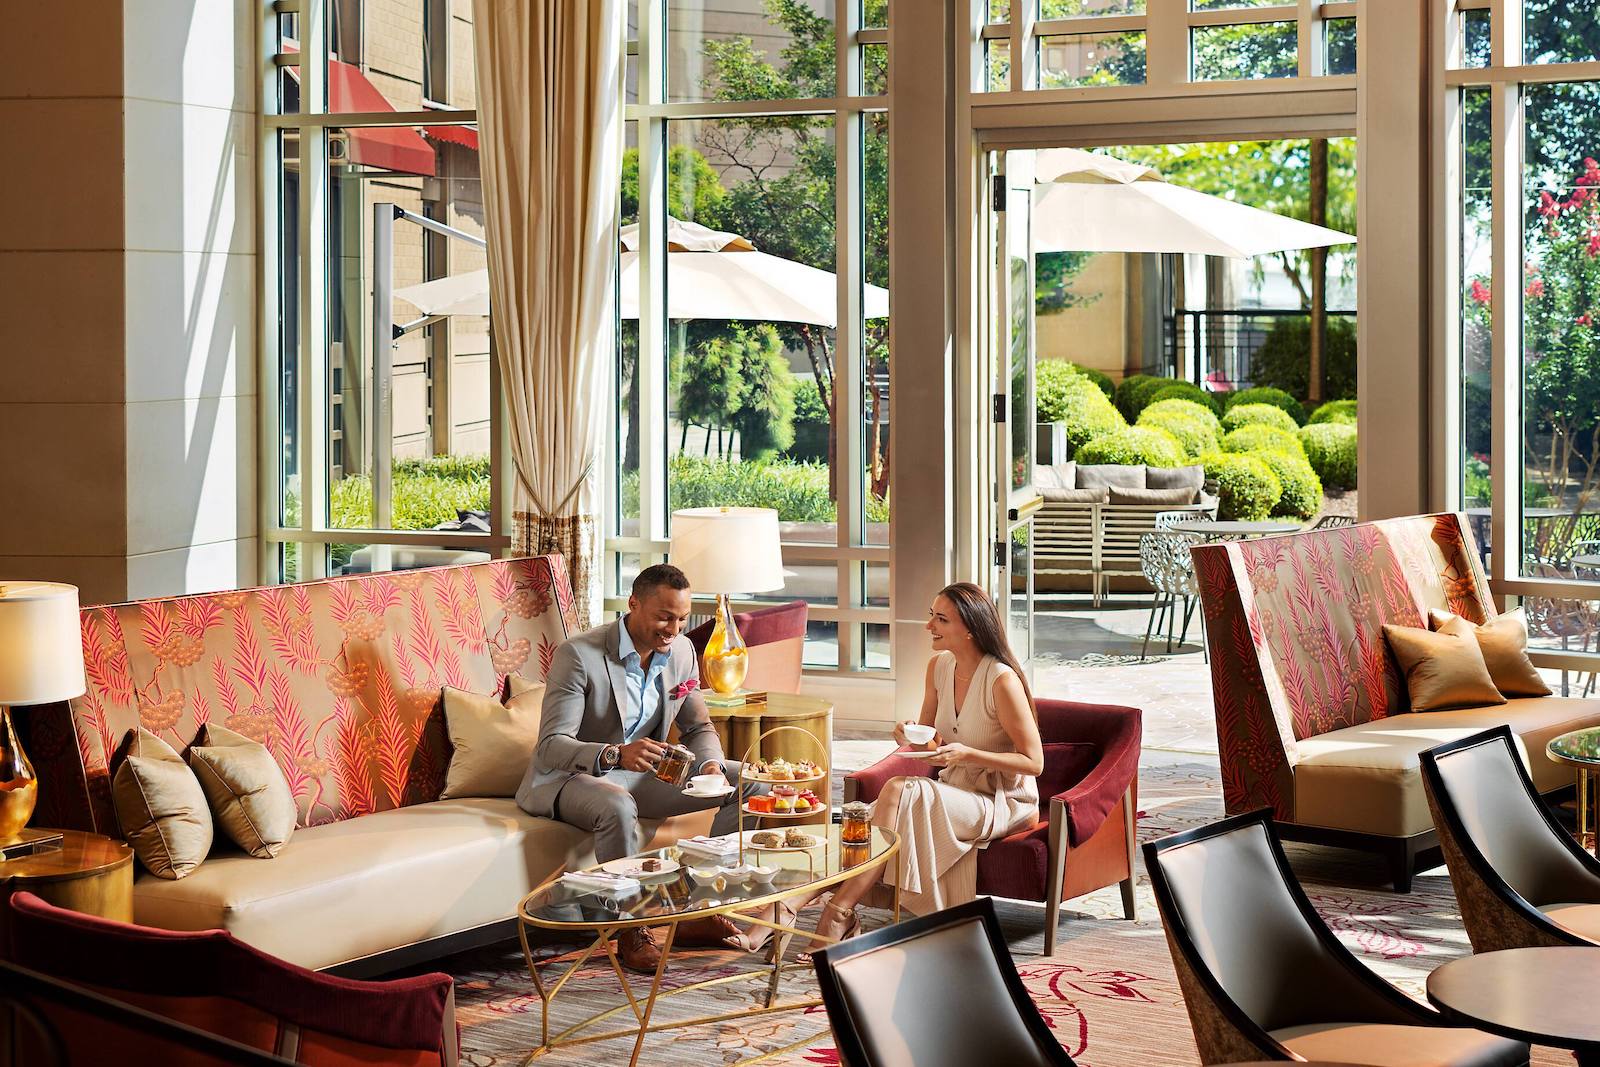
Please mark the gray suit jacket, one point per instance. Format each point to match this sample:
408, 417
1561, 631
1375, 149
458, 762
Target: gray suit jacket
583, 699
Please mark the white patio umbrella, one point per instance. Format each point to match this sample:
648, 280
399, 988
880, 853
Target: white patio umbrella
712, 275
1088, 202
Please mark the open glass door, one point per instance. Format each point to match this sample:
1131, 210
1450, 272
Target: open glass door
1016, 498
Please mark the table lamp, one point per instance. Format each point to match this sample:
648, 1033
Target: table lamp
722, 551
41, 662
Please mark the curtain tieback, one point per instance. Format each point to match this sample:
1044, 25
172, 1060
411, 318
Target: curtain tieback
544, 513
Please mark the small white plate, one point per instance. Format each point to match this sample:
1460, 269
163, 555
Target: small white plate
817, 841
719, 794
634, 868
919, 754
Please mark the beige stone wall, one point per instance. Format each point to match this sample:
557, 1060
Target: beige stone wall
1094, 334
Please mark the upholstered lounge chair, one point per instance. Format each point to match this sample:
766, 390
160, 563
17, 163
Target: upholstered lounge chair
937, 991
1264, 978
1088, 795
214, 982
1520, 878
776, 639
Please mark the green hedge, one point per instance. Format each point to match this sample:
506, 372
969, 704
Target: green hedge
1247, 489
1302, 489
1186, 408
1054, 382
1085, 414
1256, 437
1259, 415
1194, 435
1132, 445
1268, 395
1098, 377
799, 491
1331, 448
1131, 386
426, 492
1335, 411
1175, 390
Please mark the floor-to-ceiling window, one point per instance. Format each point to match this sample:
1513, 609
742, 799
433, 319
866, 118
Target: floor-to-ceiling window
759, 382
1522, 87
379, 414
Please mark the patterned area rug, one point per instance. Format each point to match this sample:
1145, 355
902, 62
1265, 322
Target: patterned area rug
1109, 992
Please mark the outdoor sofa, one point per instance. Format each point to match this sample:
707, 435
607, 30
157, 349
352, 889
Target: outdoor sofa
1313, 718
341, 679
1093, 516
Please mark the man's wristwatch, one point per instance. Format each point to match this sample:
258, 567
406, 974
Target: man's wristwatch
610, 756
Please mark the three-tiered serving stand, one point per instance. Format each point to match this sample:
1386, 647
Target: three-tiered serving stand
820, 774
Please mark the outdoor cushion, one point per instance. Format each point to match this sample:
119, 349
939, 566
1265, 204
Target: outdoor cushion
1368, 777
1192, 477
1096, 495
1055, 475
1128, 476
352, 888
1170, 497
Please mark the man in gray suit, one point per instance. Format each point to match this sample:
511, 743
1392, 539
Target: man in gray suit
610, 697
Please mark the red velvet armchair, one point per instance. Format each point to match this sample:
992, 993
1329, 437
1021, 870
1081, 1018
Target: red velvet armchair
213, 982
1088, 794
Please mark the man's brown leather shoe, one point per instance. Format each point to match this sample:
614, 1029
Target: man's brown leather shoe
716, 931
638, 950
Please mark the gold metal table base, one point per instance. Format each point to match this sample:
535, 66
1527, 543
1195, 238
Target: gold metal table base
783, 933
1586, 821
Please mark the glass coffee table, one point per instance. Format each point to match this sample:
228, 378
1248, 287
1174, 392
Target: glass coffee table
672, 897
1580, 748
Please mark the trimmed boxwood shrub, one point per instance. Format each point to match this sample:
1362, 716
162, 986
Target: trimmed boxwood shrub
1086, 414
1186, 408
1267, 395
1259, 415
1195, 436
798, 491
1331, 448
1130, 387
1302, 489
1254, 438
1247, 489
1175, 390
1098, 377
1132, 445
1335, 411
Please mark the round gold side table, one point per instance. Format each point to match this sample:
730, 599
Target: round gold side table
1581, 749
87, 872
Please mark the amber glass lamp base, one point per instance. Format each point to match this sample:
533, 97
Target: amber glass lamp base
726, 659
19, 786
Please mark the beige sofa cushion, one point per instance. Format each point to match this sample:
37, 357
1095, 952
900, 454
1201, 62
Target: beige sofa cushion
1503, 640
1368, 777
491, 743
1388, 1045
245, 787
161, 809
350, 889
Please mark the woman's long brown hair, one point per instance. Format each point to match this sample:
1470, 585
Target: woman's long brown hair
978, 615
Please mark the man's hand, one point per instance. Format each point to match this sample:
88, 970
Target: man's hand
711, 766
641, 755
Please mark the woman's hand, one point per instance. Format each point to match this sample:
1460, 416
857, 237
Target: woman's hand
952, 755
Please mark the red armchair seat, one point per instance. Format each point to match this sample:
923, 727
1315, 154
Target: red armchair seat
1088, 794
214, 982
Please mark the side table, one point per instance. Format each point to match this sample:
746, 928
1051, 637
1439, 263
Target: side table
1581, 750
87, 872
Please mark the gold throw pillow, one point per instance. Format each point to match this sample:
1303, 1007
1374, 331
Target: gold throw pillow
161, 808
246, 788
1442, 670
493, 742
1503, 640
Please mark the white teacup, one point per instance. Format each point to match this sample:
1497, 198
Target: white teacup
708, 783
918, 734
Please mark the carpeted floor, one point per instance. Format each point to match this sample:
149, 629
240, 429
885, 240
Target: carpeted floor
1109, 992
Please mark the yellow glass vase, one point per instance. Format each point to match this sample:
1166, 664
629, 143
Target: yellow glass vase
19, 786
726, 658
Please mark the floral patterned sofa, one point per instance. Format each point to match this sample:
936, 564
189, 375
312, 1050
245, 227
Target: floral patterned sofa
341, 680
1313, 718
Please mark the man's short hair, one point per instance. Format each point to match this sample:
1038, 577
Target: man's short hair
654, 577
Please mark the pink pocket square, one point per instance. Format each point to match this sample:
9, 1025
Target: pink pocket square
683, 689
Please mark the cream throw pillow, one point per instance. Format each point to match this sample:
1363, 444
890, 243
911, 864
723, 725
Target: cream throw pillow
1443, 670
249, 795
493, 742
1503, 640
161, 808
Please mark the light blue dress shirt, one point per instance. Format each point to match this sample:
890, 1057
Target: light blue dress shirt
644, 694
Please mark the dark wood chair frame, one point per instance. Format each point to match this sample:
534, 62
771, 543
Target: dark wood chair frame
1468, 864
1182, 939
846, 1035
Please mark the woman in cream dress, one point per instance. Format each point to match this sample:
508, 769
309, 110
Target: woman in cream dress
986, 746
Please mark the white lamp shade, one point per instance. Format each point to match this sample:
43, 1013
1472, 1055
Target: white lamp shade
728, 550
41, 645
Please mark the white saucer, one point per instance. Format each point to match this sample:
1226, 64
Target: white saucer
719, 794
632, 867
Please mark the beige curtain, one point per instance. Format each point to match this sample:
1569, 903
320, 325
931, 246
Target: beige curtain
550, 115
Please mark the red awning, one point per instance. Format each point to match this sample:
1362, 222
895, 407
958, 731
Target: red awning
465, 136
396, 148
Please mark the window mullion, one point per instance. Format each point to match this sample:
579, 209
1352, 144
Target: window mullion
1167, 42
652, 301
312, 379
1505, 310
1024, 48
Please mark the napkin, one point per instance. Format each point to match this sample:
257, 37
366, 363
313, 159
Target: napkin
726, 845
601, 881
